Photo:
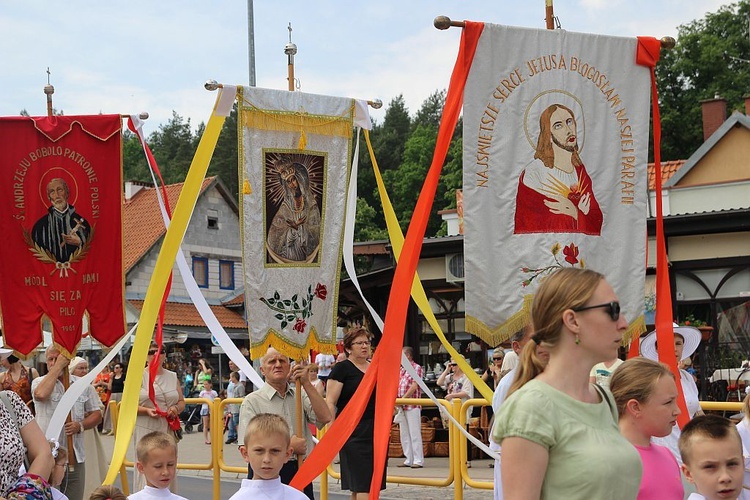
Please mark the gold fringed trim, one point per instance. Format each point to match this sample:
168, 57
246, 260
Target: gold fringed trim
635, 329
503, 332
292, 350
285, 121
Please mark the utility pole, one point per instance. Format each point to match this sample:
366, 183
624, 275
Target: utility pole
251, 41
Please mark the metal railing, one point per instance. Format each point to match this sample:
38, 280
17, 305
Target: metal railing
458, 472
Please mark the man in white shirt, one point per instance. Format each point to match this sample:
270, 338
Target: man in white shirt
518, 341
325, 362
86, 414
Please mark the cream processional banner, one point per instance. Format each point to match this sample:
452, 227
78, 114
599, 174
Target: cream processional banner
295, 152
556, 128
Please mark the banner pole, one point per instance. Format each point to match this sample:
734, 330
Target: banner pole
49, 90
445, 22
550, 15
71, 451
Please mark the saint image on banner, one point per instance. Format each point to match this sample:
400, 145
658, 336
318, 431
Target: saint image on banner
292, 198
62, 231
555, 193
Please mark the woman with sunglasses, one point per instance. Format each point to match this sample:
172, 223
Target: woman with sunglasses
116, 385
559, 432
169, 400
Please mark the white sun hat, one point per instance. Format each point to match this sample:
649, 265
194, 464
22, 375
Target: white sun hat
691, 336
4, 351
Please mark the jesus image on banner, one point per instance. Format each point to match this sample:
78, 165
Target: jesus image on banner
293, 183
62, 231
555, 193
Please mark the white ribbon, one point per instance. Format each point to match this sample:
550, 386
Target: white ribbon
77, 388
194, 292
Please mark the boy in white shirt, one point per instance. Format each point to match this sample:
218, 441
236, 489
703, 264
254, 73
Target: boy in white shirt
267, 447
711, 451
156, 455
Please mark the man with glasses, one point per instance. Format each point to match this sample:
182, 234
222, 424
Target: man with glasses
278, 396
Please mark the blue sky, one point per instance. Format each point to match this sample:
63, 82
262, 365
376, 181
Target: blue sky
154, 56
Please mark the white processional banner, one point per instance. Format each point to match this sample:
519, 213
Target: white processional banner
556, 128
295, 151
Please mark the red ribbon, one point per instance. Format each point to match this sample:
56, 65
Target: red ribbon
385, 364
648, 55
153, 368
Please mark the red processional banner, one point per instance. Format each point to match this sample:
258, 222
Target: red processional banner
61, 221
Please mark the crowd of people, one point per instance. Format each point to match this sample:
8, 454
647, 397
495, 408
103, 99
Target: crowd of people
571, 420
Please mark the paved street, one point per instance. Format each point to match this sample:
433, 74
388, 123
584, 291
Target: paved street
198, 485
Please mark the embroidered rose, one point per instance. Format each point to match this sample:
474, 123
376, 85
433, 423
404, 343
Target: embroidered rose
300, 325
321, 291
571, 253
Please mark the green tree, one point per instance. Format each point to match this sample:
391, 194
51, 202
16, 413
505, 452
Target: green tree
405, 183
224, 162
134, 164
388, 142
712, 57
173, 146
432, 110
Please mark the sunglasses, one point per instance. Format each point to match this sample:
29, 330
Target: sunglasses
613, 309
497, 359
151, 353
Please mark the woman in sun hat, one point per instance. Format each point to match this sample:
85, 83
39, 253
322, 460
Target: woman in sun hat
686, 341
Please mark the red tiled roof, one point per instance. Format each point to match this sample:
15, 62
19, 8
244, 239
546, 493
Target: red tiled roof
668, 169
179, 314
142, 221
238, 300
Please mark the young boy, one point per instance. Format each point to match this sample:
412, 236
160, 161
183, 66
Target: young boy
156, 459
711, 451
267, 447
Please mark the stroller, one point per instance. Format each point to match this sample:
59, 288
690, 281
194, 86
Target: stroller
191, 415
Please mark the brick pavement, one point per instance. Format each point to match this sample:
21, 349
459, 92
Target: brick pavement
193, 450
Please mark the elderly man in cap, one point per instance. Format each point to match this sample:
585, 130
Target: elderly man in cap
86, 414
278, 396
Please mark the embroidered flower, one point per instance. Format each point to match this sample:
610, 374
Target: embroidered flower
300, 325
571, 253
321, 291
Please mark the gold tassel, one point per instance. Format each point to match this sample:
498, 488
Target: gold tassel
302, 141
246, 189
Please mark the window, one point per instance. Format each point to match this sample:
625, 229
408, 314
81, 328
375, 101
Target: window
212, 219
200, 271
226, 275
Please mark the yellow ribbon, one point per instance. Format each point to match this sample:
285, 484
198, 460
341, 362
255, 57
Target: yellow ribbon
417, 290
157, 286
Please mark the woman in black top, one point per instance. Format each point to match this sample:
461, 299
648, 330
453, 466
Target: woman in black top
116, 384
357, 453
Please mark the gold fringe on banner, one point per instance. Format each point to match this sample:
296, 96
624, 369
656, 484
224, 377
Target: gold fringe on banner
293, 351
635, 329
286, 121
503, 332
